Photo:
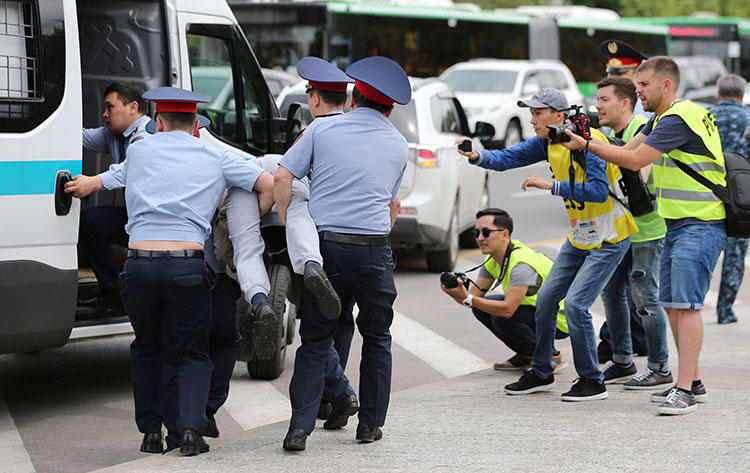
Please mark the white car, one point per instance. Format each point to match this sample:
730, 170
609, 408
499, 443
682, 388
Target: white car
440, 191
490, 89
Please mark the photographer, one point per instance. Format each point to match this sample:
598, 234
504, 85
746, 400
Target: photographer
598, 238
521, 272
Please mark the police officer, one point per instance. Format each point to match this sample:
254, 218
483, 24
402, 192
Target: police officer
174, 183
359, 160
124, 123
623, 61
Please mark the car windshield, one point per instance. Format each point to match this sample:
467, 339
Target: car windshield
474, 80
404, 118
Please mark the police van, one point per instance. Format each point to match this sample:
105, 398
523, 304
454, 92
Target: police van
56, 59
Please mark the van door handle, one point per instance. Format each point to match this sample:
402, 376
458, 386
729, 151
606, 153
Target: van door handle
63, 200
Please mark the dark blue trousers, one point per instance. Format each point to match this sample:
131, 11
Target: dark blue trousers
223, 345
342, 342
169, 305
364, 274
101, 226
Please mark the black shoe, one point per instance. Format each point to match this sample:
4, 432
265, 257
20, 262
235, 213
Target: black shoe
106, 301
212, 430
266, 331
367, 434
341, 412
617, 373
585, 390
295, 440
152, 443
530, 383
324, 411
192, 443
316, 280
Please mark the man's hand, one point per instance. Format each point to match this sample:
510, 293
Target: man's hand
576, 141
458, 293
81, 185
538, 182
473, 155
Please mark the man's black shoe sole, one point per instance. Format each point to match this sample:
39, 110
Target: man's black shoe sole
328, 301
266, 333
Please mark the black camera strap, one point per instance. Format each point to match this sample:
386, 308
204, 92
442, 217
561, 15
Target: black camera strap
506, 260
579, 157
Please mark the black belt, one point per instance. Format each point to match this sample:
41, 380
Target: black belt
353, 239
165, 253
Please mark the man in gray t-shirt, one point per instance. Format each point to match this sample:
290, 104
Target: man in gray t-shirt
520, 271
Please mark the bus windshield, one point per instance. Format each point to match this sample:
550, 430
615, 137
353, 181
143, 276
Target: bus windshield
468, 80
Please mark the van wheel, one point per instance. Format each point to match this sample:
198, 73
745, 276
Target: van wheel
271, 368
513, 134
467, 239
445, 260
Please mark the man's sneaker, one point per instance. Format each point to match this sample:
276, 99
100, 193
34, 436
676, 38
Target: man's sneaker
558, 362
530, 383
699, 393
650, 379
585, 390
515, 362
678, 402
617, 373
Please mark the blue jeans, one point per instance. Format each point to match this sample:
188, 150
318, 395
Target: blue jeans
617, 310
578, 276
644, 277
690, 254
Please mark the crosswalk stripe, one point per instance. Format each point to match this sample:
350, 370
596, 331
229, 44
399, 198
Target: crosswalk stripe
12, 451
440, 353
256, 403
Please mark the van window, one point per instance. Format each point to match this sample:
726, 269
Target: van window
32, 62
224, 70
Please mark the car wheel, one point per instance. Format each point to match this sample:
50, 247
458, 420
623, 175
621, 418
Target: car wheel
467, 239
445, 260
513, 134
271, 368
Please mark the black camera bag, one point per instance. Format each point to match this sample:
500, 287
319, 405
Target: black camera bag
736, 194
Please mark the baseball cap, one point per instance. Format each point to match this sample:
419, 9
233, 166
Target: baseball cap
546, 98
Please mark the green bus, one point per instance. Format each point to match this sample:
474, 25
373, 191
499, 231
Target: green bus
427, 40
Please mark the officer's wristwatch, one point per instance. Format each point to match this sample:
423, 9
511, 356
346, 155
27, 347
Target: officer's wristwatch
469, 301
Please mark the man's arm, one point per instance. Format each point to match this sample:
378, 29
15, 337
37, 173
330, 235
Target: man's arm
634, 155
81, 185
525, 153
501, 308
264, 187
282, 191
95, 139
394, 207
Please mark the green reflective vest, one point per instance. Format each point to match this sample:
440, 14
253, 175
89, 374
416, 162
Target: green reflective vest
538, 262
679, 195
650, 226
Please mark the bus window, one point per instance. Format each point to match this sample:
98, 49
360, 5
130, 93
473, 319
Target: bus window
29, 37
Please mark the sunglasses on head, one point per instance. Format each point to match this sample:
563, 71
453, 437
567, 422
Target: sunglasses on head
309, 90
485, 232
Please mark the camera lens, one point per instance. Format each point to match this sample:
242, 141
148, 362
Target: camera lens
448, 280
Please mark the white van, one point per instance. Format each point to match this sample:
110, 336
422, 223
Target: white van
56, 59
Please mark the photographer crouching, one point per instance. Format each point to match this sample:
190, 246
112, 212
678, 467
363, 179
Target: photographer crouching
521, 272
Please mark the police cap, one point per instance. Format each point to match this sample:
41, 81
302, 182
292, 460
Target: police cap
173, 99
381, 80
322, 75
622, 57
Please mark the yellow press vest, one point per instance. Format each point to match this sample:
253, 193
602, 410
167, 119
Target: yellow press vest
592, 223
679, 195
538, 262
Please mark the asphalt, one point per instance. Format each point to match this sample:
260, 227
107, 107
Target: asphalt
468, 424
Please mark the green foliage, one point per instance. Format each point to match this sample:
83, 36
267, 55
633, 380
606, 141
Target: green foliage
642, 8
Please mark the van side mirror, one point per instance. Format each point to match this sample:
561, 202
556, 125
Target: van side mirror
297, 118
484, 131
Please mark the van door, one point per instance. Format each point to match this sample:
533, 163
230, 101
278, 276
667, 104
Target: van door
40, 135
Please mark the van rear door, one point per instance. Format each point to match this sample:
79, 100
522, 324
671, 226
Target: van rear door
40, 135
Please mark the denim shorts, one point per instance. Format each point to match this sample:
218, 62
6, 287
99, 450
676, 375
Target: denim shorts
687, 262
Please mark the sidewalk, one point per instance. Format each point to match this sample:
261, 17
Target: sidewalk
469, 424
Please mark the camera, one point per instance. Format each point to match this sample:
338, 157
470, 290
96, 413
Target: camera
450, 280
579, 124
465, 146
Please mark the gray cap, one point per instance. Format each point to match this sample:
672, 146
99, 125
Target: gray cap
545, 98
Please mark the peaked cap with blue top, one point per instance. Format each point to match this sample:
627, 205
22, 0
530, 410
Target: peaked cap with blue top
381, 80
322, 75
173, 99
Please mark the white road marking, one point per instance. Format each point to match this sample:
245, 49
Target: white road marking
440, 353
256, 403
14, 456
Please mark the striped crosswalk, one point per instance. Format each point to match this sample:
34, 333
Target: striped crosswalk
13, 455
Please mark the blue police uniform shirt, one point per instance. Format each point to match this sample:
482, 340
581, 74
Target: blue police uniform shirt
101, 140
174, 182
357, 161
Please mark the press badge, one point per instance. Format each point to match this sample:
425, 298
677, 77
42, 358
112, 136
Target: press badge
584, 231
